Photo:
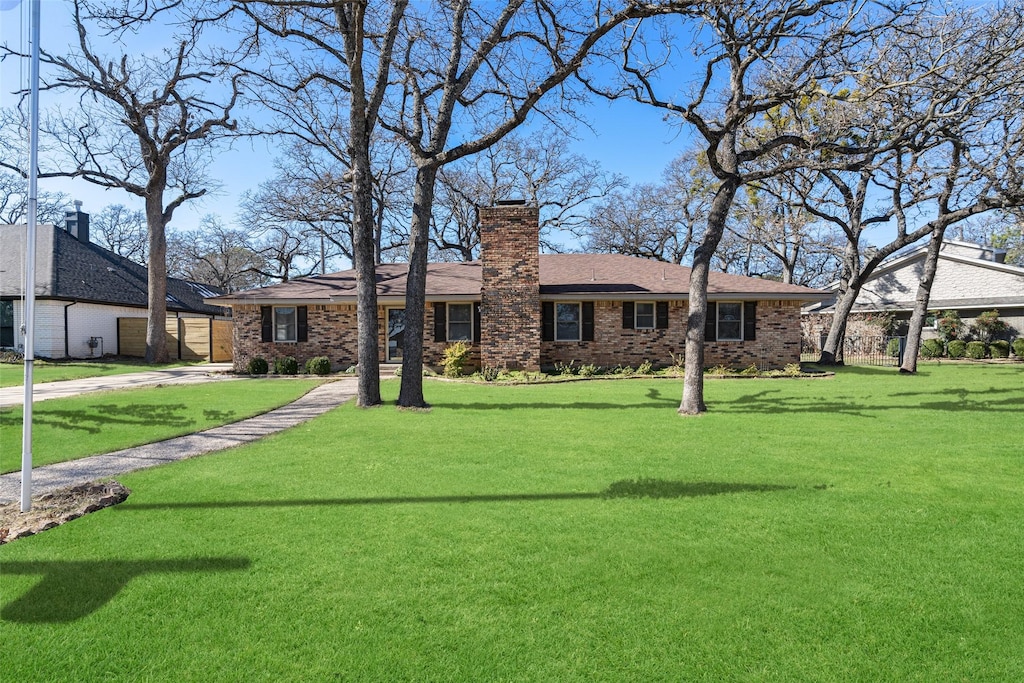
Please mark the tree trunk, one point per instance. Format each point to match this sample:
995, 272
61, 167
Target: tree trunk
156, 323
831, 350
924, 292
693, 375
411, 393
363, 242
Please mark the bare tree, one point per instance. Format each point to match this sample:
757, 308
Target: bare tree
143, 124
754, 57
491, 69
50, 206
332, 85
538, 168
121, 230
216, 255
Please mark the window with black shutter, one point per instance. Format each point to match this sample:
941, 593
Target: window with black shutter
266, 323
749, 321
662, 315
476, 323
628, 312
440, 322
711, 322
302, 324
588, 321
547, 326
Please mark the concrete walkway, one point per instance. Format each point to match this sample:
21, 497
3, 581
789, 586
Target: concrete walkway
186, 374
51, 477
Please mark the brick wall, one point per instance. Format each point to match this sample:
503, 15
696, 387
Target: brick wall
510, 290
777, 344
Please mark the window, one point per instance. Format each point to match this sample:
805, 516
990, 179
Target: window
460, 322
730, 321
284, 323
6, 324
644, 315
567, 322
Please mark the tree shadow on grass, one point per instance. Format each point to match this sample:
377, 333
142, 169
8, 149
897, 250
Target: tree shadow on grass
95, 418
627, 488
774, 402
74, 589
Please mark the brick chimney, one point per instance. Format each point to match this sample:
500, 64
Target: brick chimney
77, 223
510, 287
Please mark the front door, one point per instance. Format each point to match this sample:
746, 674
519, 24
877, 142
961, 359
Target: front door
396, 334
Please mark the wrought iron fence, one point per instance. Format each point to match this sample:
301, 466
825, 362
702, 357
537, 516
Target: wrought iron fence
884, 351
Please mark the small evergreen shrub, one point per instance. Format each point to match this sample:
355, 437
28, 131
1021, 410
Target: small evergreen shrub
988, 325
957, 348
999, 349
455, 357
645, 368
1018, 347
931, 348
892, 349
318, 365
949, 325
258, 366
976, 350
286, 366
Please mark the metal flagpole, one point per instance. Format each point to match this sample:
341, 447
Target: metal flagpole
30, 259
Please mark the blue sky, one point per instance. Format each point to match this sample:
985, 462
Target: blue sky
627, 138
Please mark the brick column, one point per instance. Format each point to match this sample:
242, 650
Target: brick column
510, 287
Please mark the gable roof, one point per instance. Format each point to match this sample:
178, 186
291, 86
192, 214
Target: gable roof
890, 286
562, 276
71, 270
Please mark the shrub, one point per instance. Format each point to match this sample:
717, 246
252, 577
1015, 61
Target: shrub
931, 348
719, 370
490, 374
258, 366
750, 371
949, 325
645, 368
588, 370
318, 365
1018, 347
999, 349
987, 325
678, 361
566, 369
626, 370
792, 370
892, 349
957, 348
286, 366
976, 349
455, 357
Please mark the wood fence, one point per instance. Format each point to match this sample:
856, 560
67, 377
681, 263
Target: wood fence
187, 338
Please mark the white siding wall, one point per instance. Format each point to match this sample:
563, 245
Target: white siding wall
953, 280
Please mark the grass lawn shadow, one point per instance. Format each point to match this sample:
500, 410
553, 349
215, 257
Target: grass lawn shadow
70, 590
94, 419
627, 488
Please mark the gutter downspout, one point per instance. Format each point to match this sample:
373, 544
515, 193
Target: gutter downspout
67, 347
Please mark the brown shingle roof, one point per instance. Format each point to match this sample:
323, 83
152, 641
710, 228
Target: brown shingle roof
592, 276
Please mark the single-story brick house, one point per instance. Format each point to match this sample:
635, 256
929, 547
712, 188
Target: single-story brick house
522, 309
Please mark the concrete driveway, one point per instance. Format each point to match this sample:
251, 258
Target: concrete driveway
186, 374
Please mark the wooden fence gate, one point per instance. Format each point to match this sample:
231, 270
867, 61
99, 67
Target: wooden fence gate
187, 338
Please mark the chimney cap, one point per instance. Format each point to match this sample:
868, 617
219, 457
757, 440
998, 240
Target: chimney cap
511, 202
78, 205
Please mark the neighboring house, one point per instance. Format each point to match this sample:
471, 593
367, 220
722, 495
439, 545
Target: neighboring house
969, 279
82, 290
524, 310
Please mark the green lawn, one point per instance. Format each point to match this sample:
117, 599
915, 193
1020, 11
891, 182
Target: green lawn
13, 374
861, 528
69, 428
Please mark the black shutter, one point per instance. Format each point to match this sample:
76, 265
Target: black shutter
440, 322
547, 325
711, 323
588, 321
628, 319
476, 322
302, 324
661, 315
749, 320
267, 323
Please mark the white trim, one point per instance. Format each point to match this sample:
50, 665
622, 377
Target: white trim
636, 315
